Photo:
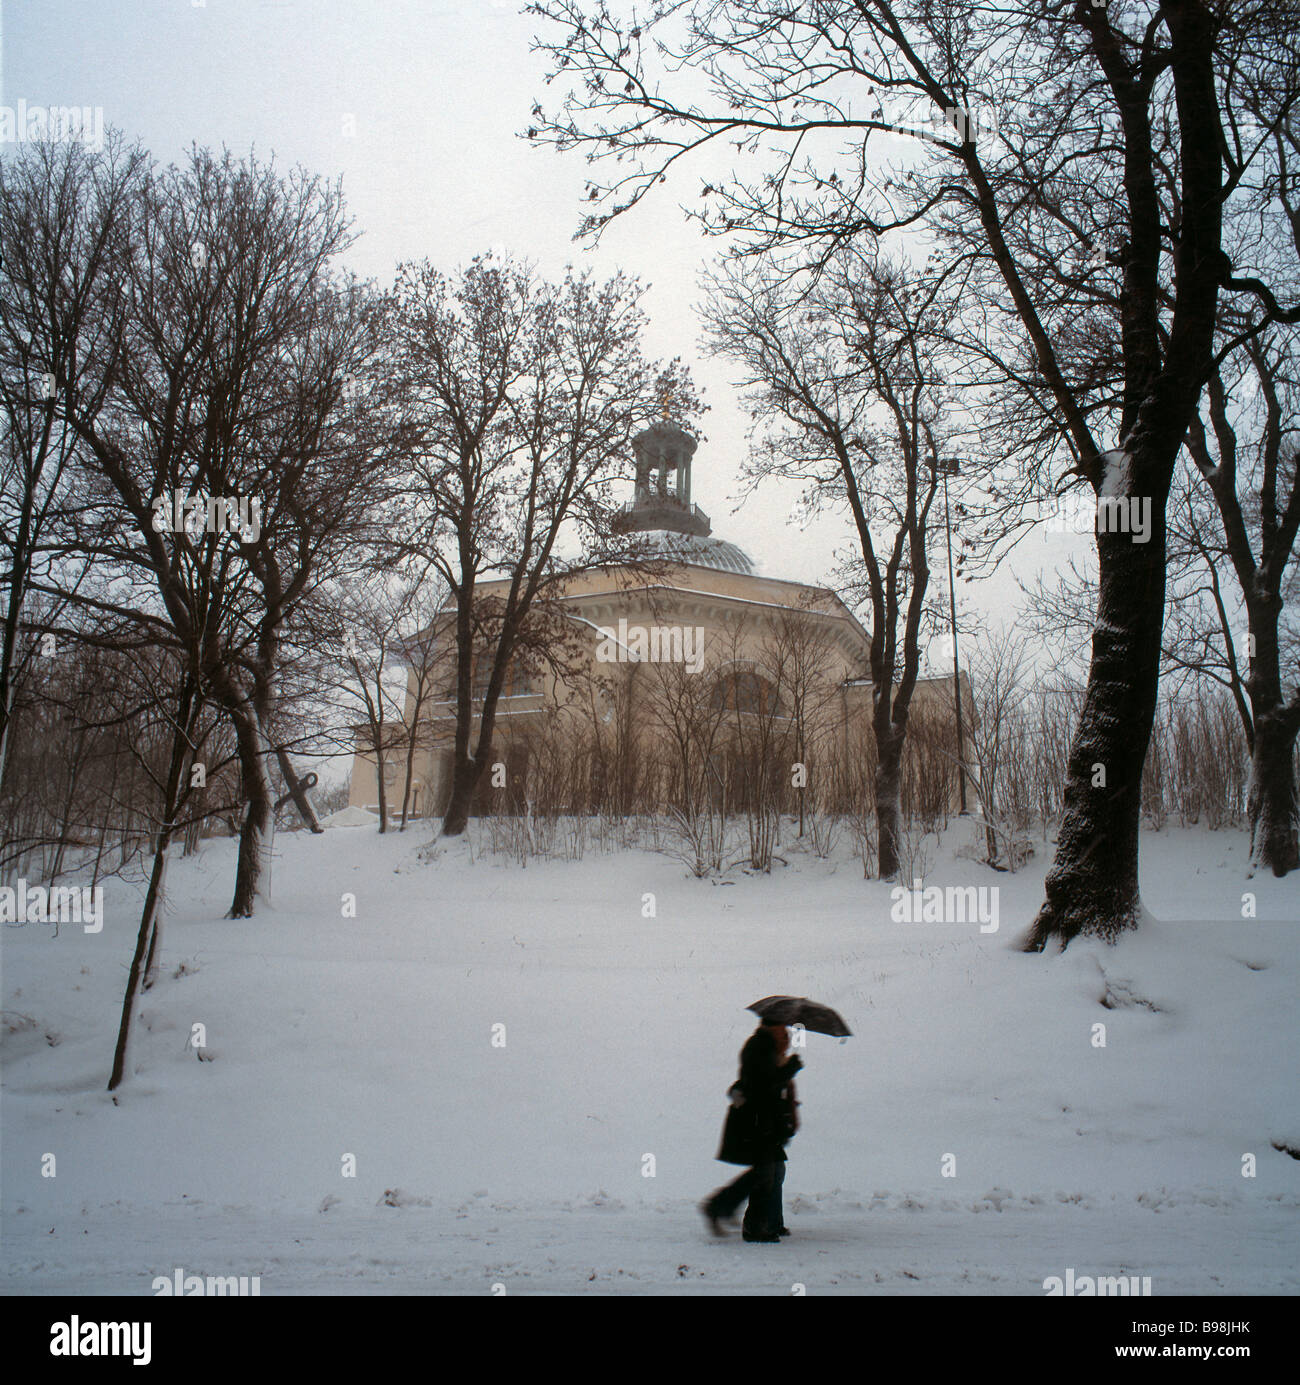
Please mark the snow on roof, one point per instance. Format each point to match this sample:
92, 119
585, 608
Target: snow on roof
703, 552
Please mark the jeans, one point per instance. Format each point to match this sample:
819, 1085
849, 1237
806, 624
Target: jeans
762, 1186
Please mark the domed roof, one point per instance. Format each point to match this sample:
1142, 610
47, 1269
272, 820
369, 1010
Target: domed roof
703, 552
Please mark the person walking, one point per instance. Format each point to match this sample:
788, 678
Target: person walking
762, 1117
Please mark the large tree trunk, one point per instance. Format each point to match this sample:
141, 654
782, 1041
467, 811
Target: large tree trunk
468, 769
1092, 888
889, 798
1272, 804
1274, 810
465, 774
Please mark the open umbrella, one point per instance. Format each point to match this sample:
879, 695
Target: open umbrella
797, 1009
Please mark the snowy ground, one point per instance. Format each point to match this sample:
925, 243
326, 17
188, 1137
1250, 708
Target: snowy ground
525, 1164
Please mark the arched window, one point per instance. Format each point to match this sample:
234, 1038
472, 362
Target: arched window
743, 690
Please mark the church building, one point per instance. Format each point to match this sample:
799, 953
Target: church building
686, 666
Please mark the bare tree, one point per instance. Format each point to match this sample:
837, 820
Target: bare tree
846, 373
179, 783
999, 669
1094, 212
800, 649
63, 209
752, 692
369, 620
685, 730
220, 384
1255, 485
517, 400
1233, 579
385, 662
421, 653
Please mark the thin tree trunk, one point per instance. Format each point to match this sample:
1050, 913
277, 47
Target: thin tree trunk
253, 751
412, 745
13, 622
152, 955
74, 779
133, 978
298, 791
382, 790
410, 774
99, 853
146, 944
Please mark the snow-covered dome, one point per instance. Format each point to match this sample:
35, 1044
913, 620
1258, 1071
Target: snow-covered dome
662, 515
702, 551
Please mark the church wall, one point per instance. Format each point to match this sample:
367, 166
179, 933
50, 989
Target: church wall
735, 632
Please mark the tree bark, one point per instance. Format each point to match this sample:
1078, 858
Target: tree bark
406, 786
1273, 806
465, 776
148, 922
1092, 888
888, 785
144, 960
13, 617
381, 787
464, 770
152, 955
253, 751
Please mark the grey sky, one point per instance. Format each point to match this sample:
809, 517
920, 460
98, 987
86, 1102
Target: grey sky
436, 92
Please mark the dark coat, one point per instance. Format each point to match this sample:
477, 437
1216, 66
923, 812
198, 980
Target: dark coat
761, 1117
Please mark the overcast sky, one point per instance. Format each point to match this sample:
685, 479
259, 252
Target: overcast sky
436, 93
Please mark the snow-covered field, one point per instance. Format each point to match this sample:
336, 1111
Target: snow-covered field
565, 1152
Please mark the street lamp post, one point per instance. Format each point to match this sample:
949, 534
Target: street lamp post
949, 466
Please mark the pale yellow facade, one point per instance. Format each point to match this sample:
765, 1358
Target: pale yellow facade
696, 647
